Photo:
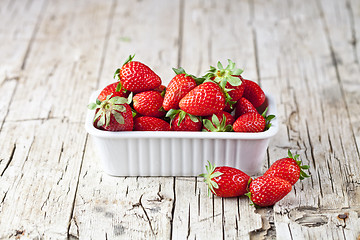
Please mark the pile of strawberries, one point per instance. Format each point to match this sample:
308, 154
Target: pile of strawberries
220, 101
263, 191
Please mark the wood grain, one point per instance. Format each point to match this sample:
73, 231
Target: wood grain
55, 53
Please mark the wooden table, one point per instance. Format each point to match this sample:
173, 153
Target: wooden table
54, 54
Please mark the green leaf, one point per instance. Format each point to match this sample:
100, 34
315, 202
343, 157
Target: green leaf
119, 108
179, 70
97, 115
92, 106
129, 59
119, 118
117, 73
193, 118
234, 81
118, 87
107, 118
305, 167
219, 65
215, 120
209, 125
237, 72
130, 98
101, 121
118, 100
216, 174
172, 113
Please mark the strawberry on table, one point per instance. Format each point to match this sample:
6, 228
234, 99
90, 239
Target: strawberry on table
149, 103
145, 123
289, 169
136, 77
204, 100
219, 122
112, 114
182, 121
253, 93
226, 181
265, 191
178, 87
111, 89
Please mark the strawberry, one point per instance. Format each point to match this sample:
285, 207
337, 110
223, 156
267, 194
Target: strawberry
149, 103
243, 106
204, 100
219, 122
226, 181
112, 114
111, 89
178, 87
182, 121
253, 93
250, 122
137, 77
229, 79
266, 191
289, 169
145, 123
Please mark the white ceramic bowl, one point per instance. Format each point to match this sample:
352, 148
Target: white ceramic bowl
136, 153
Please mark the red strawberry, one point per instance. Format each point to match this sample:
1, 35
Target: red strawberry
150, 124
229, 79
289, 169
182, 121
250, 122
112, 114
243, 106
178, 87
149, 103
111, 89
204, 100
137, 77
219, 122
160, 88
226, 181
254, 93
266, 191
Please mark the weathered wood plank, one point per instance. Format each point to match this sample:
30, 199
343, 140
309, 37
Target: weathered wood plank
151, 33
305, 80
63, 63
40, 165
216, 31
123, 208
39, 183
120, 208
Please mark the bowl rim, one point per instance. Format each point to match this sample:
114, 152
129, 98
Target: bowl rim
182, 134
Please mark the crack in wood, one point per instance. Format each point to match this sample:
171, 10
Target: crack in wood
173, 209
146, 215
34, 33
353, 31
9, 161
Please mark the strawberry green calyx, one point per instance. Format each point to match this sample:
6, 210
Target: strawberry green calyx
110, 106
268, 119
215, 125
223, 75
303, 175
180, 70
209, 176
182, 114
